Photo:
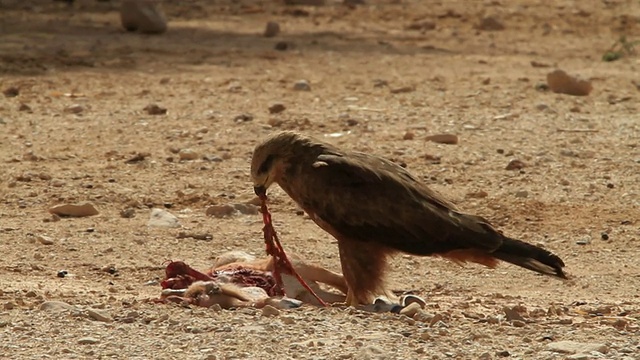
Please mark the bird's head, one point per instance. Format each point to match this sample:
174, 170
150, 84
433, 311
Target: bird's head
270, 158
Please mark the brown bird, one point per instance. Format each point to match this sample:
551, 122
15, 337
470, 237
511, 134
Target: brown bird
375, 208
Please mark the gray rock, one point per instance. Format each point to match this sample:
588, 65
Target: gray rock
302, 85
163, 219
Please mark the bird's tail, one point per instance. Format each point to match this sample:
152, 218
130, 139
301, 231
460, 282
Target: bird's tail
530, 257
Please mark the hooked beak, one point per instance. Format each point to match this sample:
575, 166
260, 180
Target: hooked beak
260, 190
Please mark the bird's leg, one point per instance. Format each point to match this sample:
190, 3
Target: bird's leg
351, 299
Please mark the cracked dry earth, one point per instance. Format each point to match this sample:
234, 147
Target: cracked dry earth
381, 80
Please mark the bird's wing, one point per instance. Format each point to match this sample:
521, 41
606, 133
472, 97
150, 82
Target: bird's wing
371, 199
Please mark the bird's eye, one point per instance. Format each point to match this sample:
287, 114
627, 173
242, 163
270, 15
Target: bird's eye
266, 164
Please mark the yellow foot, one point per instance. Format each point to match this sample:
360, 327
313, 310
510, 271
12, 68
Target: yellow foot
351, 299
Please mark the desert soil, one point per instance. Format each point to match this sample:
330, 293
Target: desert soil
383, 76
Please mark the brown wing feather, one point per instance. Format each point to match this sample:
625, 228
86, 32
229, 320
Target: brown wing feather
370, 199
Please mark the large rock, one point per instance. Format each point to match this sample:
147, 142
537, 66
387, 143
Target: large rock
145, 16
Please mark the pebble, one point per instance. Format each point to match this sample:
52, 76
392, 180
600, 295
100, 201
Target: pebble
128, 213
443, 139
302, 85
490, 23
99, 316
522, 194
574, 347
188, 154
145, 16
281, 46
162, 219
88, 340
44, 240
272, 29
403, 89
86, 209
74, 109
220, 211
269, 311
408, 136
481, 194
411, 309
277, 108
153, 109
562, 83
515, 164
24, 107
55, 306
243, 118
11, 91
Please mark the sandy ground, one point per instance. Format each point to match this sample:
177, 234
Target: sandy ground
79, 116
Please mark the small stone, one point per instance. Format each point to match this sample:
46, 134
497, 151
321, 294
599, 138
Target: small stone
583, 242
188, 154
162, 219
443, 139
269, 311
74, 109
288, 320
560, 82
246, 117
54, 306
522, 194
62, 273
99, 316
153, 109
86, 209
411, 309
11, 91
481, 194
490, 23
515, 164
128, 213
24, 107
574, 347
604, 236
403, 89
145, 16
272, 29
9, 305
44, 240
277, 108
302, 85
281, 46
518, 323
220, 211
88, 340
408, 136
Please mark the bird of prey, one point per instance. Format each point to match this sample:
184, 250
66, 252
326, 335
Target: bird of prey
375, 208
